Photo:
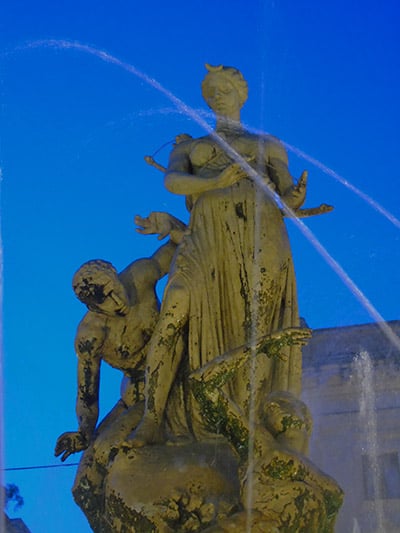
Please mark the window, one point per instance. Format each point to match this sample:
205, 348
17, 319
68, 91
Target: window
381, 476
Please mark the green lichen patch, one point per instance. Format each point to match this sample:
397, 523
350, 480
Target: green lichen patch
273, 347
216, 416
129, 520
282, 469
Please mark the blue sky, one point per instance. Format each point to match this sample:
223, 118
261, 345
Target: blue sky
323, 77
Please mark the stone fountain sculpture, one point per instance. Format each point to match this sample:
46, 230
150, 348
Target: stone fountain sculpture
210, 433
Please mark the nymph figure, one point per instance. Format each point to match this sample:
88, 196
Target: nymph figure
232, 279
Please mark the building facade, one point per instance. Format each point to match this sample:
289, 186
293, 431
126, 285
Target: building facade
351, 382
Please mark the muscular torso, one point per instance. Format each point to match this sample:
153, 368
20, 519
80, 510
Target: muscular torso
120, 340
126, 337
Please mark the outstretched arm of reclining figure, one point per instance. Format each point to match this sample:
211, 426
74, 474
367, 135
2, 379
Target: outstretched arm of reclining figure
221, 369
87, 401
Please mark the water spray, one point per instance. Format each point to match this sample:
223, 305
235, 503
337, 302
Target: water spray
192, 113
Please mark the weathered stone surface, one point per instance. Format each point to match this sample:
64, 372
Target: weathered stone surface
222, 359
171, 488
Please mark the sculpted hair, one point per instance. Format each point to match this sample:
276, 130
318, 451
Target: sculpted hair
232, 74
89, 270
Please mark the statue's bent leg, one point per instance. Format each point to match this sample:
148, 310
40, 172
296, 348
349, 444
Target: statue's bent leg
162, 363
110, 439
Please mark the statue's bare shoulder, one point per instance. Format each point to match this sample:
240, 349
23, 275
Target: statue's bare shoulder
140, 276
90, 335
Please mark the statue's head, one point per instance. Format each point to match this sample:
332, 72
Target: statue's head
284, 412
224, 89
96, 284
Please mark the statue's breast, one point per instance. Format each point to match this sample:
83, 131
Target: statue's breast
246, 147
207, 157
202, 152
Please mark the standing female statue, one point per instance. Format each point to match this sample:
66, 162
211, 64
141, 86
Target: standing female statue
232, 279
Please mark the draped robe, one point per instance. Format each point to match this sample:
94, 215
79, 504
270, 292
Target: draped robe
236, 264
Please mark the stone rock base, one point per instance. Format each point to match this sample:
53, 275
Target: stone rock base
170, 488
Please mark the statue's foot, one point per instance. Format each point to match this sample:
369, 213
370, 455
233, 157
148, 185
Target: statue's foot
147, 432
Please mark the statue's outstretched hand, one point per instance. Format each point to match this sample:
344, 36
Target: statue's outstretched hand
158, 223
296, 195
298, 335
69, 443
